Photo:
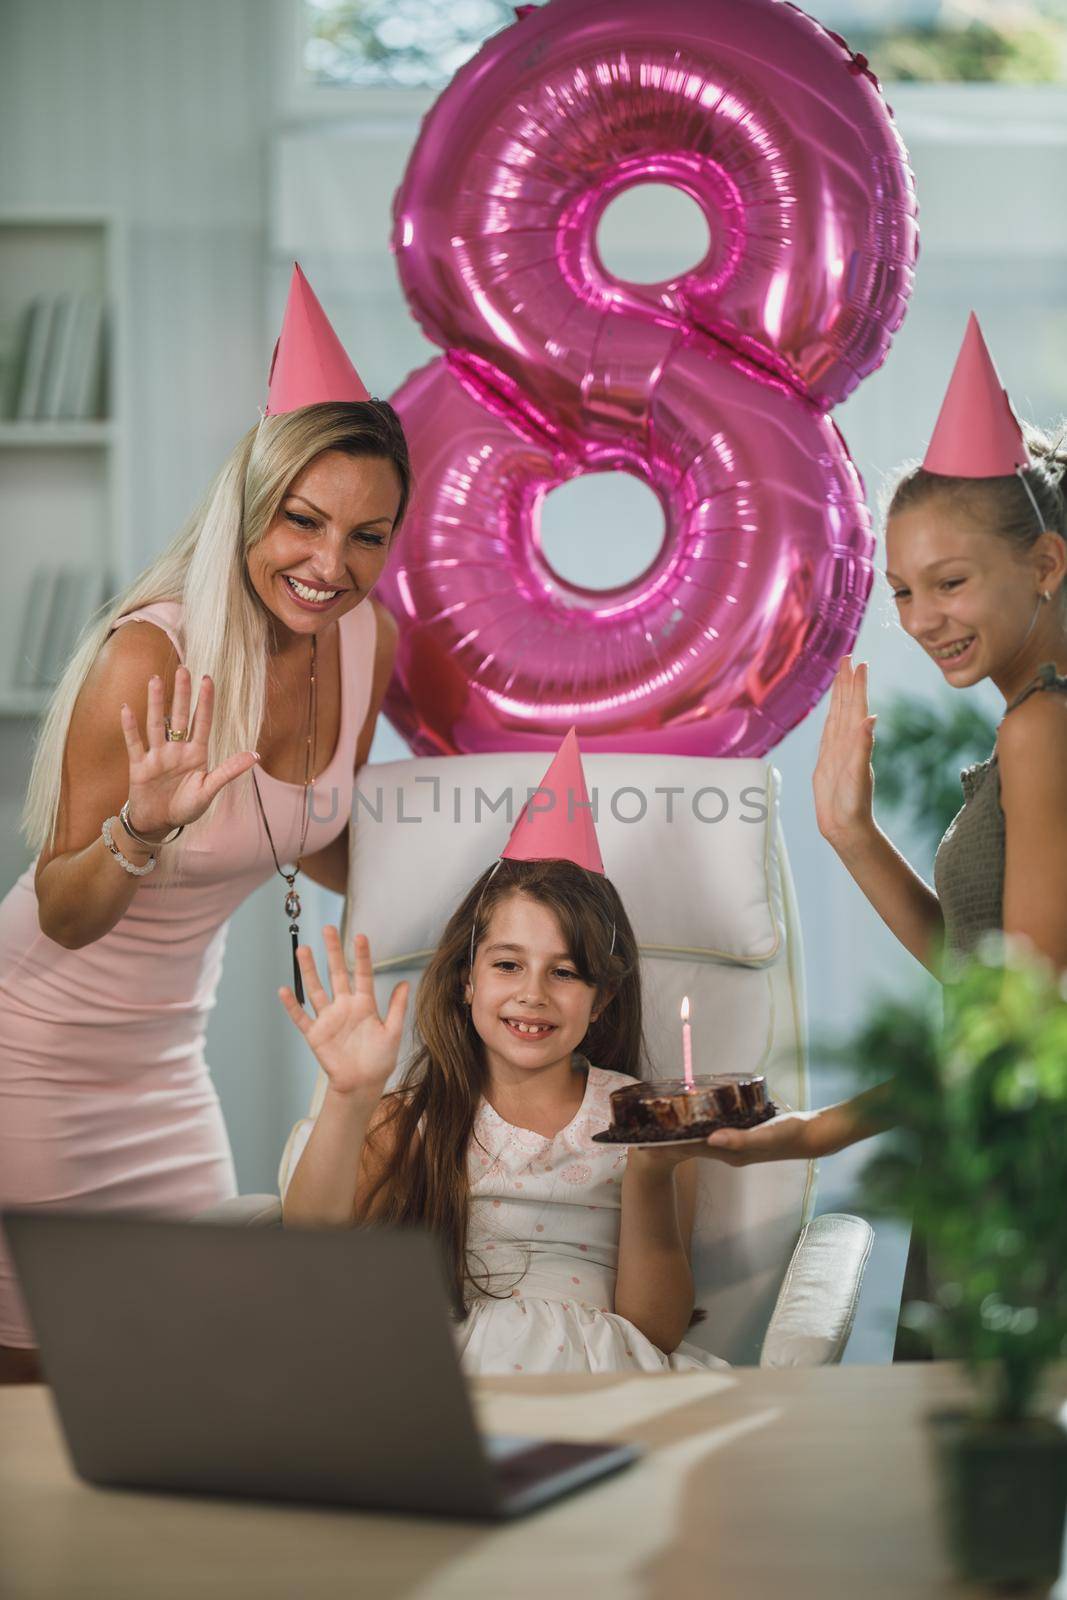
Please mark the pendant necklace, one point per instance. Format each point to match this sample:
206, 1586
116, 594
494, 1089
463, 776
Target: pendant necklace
292, 899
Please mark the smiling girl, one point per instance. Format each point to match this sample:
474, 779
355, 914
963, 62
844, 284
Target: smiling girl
562, 1254
976, 556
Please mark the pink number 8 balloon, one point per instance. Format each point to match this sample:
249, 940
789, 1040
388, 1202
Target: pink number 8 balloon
713, 387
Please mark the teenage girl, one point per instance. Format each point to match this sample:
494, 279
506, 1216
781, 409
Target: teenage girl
976, 558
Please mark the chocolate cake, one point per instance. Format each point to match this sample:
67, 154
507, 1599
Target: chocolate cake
646, 1113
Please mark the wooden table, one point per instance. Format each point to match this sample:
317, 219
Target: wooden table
791, 1484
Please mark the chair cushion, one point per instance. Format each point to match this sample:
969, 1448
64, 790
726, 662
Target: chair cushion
665, 824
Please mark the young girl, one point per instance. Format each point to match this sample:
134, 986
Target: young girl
563, 1255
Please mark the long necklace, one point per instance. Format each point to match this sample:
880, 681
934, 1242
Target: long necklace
292, 899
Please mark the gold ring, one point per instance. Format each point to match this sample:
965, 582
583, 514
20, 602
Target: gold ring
176, 734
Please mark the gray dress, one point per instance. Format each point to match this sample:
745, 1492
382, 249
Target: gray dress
969, 880
969, 864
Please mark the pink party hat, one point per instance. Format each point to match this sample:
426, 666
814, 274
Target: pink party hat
977, 434
309, 365
563, 831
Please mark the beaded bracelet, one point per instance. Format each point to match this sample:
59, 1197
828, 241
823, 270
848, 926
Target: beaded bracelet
127, 866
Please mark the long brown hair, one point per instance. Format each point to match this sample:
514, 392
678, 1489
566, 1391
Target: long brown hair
430, 1116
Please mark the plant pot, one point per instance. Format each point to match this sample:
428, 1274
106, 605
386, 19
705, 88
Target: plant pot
1004, 1496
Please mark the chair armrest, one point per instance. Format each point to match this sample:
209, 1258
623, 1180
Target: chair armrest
817, 1302
245, 1210
296, 1144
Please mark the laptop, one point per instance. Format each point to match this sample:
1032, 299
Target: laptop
311, 1365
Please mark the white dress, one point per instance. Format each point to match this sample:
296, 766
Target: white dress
544, 1221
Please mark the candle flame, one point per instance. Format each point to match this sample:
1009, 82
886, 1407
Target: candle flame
685, 1008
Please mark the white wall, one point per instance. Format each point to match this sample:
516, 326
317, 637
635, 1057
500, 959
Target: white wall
181, 118
162, 113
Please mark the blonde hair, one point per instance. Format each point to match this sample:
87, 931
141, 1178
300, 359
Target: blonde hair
225, 624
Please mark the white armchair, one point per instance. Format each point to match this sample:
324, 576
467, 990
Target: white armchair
695, 847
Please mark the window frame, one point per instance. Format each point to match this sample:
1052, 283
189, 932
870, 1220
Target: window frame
941, 111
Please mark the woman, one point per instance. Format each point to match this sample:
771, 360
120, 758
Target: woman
976, 548
110, 957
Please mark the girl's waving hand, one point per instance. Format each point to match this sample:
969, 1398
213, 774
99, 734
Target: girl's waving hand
355, 1048
843, 780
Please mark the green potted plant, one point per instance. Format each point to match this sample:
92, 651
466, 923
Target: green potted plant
977, 1095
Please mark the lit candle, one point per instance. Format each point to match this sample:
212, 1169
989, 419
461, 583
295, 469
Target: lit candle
687, 1043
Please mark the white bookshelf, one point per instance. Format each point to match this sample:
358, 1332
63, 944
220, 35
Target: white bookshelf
62, 482
25, 435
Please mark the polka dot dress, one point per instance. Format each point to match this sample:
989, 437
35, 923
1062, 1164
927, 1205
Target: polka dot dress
543, 1242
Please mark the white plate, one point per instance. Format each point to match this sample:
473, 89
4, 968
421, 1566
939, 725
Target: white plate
651, 1144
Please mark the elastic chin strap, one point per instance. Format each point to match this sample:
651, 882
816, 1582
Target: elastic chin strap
1019, 473
1041, 525
474, 923
1033, 619
1030, 496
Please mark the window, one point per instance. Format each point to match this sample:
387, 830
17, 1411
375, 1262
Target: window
960, 41
419, 44
404, 44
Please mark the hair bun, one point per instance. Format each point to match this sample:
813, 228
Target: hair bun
1048, 452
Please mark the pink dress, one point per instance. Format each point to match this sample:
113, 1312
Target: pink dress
106, 1101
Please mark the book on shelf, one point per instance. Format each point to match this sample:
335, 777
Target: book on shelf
62, 358
58, 357
37, 332
35, 612
11, 345
82, 389
59, 602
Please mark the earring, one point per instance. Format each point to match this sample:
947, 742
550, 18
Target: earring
1045, 595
